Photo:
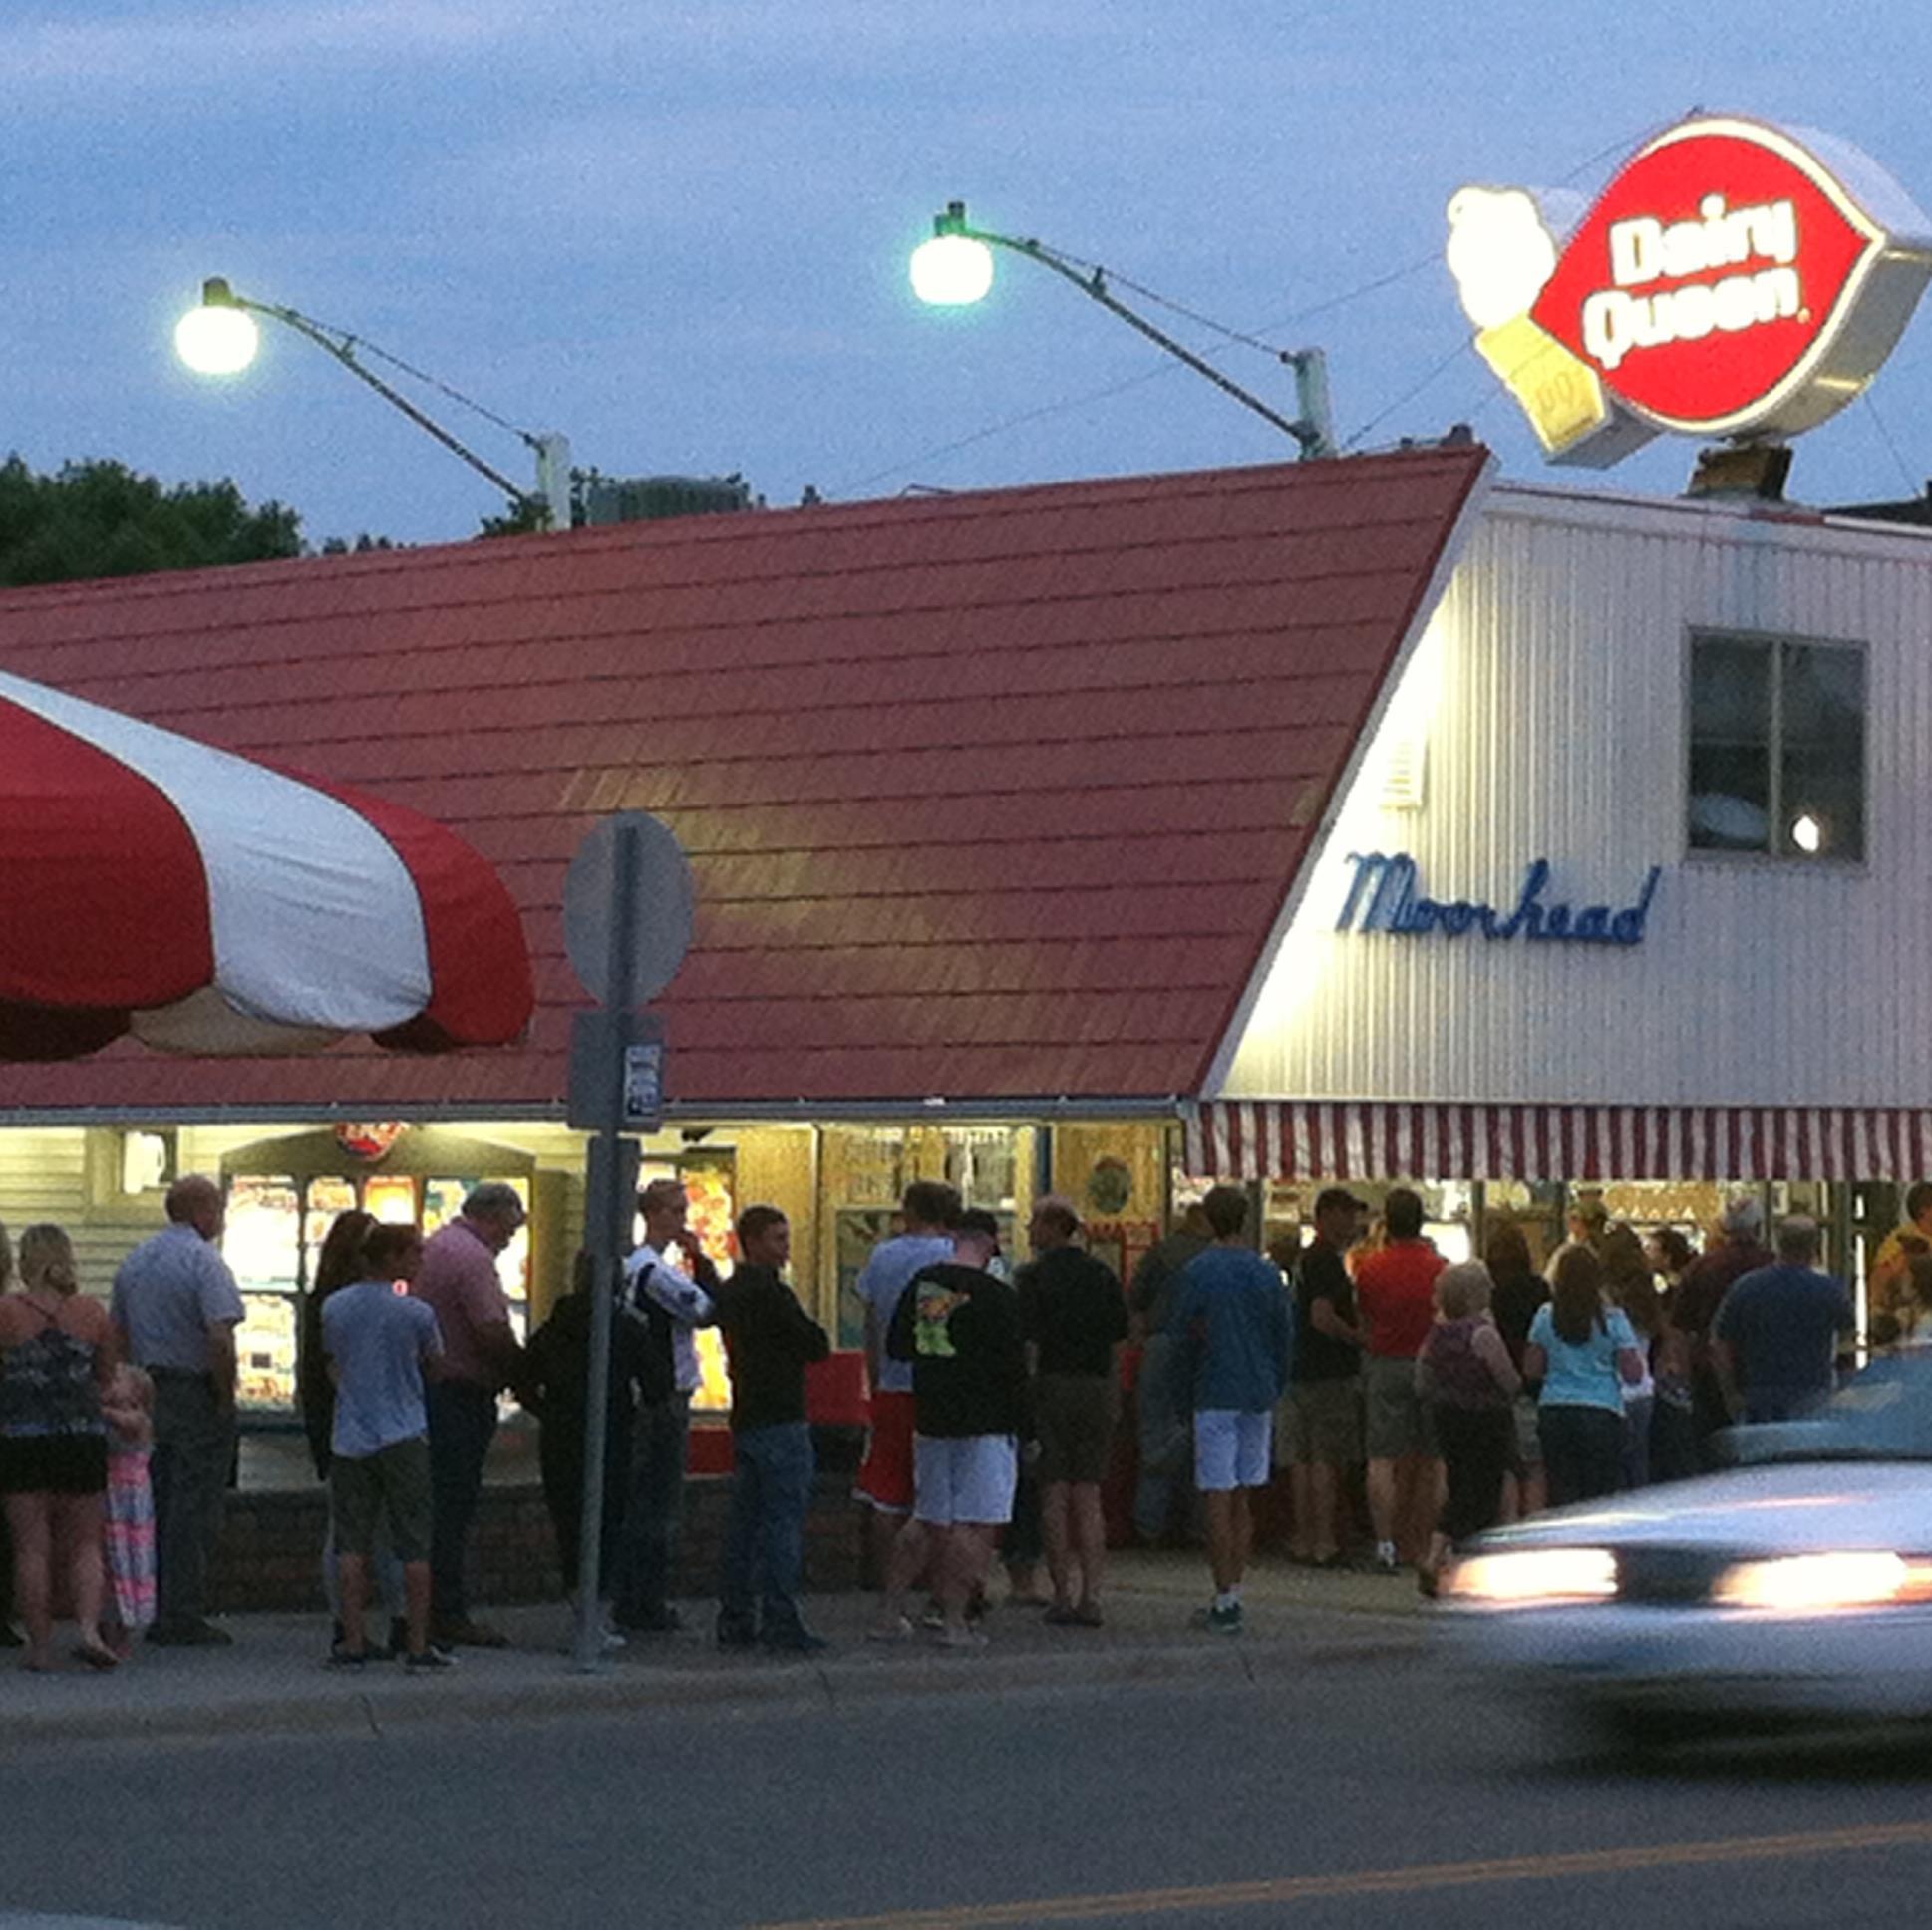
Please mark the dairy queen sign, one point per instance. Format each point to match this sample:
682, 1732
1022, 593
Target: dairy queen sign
1734, 279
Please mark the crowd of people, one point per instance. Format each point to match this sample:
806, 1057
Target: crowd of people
1442, 1398
1473, 1394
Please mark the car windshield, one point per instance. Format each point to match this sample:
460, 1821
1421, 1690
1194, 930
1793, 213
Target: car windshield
1883, 1412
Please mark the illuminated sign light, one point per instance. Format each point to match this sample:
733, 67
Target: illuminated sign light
1734, 279
1386, 895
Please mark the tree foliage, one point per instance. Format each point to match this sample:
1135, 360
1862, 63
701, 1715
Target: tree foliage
102, 519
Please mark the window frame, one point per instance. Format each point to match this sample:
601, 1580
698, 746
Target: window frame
1775, 642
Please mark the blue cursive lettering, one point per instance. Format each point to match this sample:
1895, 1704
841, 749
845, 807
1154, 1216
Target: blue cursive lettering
1385, 894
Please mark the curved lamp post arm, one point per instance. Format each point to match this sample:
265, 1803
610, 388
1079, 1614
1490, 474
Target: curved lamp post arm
1310, 430
215, 293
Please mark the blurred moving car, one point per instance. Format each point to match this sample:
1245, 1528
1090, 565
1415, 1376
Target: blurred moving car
1798, 1583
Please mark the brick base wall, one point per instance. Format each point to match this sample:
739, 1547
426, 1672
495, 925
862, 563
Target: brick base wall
270, 1554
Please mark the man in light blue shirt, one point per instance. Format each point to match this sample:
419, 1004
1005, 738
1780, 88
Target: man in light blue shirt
928, 1215
1232, 1334
176, 1307
380, 1342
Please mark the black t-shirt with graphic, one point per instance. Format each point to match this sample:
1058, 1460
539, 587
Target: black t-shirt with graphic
960, 1329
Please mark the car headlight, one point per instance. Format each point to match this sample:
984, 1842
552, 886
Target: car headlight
1524, 1577
1811, 1583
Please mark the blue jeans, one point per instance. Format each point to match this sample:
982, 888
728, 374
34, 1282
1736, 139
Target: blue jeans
647, 1553
1165, 1439
462, 1422
771, 1494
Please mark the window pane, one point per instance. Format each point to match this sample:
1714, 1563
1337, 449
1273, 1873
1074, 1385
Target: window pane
1730, 692
1823, 780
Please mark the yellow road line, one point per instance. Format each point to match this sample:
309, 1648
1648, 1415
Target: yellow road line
1385, 1882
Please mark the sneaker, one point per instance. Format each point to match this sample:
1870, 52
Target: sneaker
933, 1620
461, 1633
1386, 1562
429, 1662
345, 1657
968, 1637
1225, 1621
1062, 1615
897, 1629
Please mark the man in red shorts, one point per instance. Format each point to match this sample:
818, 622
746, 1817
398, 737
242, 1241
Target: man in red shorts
928, 1215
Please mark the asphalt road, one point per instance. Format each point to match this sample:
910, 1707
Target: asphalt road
1374, 1792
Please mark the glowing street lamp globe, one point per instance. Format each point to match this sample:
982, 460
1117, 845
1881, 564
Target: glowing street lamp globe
216, 339
952, 271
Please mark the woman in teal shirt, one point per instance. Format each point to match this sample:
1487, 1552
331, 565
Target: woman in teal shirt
1583, 1352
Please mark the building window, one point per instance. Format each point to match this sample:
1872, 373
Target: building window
1778, 747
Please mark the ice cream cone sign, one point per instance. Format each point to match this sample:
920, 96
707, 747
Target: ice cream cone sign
1734, 279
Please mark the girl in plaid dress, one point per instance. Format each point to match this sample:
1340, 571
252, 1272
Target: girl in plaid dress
128, 1407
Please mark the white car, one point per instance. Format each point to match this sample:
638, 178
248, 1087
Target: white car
1797, 1584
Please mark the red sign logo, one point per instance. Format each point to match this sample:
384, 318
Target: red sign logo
1708, 275
1733, 279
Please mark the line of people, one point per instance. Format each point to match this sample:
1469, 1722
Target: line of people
1477, 1392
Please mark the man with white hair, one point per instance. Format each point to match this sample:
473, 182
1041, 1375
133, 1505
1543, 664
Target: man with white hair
176, 1308
1739, 1251
1775, 1341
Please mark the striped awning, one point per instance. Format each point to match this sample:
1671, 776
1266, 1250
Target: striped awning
1375, 1140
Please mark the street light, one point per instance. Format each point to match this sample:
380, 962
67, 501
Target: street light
954, 269
221, 338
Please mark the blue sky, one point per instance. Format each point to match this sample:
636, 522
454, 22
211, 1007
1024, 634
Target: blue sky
679, 234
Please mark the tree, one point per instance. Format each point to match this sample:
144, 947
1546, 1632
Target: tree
101, 518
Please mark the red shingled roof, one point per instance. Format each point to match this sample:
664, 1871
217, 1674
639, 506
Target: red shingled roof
988, 795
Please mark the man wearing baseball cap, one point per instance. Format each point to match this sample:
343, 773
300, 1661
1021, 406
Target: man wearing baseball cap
1324, 1406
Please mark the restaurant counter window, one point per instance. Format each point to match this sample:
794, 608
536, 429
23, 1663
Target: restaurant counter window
1776, 747
863, 1174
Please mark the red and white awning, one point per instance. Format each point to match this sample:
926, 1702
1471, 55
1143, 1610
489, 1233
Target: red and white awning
1373, 1140
209, 904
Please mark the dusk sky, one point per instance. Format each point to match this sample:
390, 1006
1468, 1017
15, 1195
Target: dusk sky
680, 233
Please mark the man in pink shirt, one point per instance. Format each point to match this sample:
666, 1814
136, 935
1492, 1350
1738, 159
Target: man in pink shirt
460, 1281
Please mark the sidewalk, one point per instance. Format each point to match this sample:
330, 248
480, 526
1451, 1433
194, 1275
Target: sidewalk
273, 1679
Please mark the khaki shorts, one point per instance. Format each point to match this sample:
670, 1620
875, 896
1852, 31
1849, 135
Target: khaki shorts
1323, 1423
392, 1482
1075, 1416
1398, 1424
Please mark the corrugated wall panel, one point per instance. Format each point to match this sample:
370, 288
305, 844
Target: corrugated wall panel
1552, 688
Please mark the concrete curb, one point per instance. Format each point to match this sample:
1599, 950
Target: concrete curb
397, 1701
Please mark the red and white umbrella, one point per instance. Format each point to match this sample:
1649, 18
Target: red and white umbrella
211, 904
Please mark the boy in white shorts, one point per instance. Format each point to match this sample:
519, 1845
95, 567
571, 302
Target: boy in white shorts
960, 1329
1234, 1331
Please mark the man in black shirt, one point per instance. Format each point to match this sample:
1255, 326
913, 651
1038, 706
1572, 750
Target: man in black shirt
1325, 1390
770, 1340
1074, 1316
959, 1326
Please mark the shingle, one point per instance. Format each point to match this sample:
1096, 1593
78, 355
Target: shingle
988, 795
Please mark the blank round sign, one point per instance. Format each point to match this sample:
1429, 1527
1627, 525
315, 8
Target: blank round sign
665, 897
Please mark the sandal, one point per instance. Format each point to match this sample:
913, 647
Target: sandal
95, 1656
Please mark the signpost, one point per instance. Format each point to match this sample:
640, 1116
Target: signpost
627, 915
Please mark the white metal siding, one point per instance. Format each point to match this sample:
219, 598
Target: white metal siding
1552, 683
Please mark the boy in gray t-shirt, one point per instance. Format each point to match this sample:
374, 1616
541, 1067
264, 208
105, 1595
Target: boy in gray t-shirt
380, 1342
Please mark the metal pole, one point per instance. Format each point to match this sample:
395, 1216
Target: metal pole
606, 1241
